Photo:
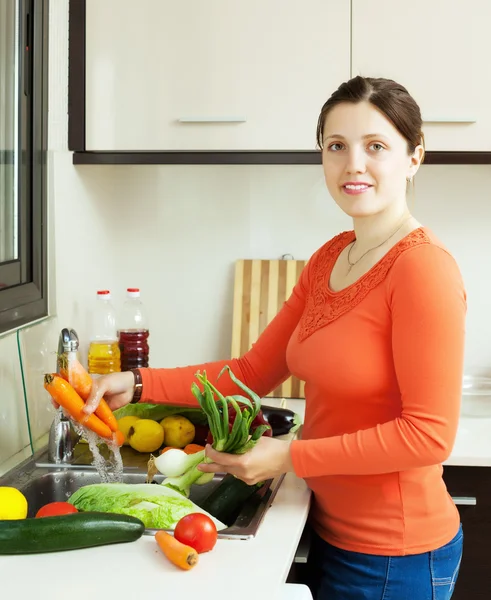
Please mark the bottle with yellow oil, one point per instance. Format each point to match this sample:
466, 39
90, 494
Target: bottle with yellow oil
104, 354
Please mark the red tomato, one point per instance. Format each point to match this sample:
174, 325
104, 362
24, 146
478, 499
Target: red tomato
198, 531
54, 509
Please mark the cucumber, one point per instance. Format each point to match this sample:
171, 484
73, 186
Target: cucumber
67, 532
226, 500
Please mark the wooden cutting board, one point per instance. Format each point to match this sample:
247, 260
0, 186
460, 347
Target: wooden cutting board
261, 287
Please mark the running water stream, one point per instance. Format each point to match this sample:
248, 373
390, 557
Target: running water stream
110, 470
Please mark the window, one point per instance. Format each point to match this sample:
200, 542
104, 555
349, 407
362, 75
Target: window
23, 135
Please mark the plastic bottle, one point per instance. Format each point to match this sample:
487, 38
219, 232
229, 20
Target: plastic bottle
133, 332
104, 355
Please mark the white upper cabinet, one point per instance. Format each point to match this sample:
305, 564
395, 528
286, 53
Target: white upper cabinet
440, 51
212, 74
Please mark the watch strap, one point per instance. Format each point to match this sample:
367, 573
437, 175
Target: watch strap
138, 386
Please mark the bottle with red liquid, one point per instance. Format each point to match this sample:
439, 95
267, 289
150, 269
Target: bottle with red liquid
133, 332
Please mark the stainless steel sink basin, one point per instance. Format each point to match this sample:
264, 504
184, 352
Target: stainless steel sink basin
42, 482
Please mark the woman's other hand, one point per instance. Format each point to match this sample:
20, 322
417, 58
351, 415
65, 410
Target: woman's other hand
268, 459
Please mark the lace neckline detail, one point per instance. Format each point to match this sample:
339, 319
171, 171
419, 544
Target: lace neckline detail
324, 305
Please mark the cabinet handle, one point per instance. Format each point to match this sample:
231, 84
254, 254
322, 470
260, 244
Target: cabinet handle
303, 549
212, 119
464, 500
457, 120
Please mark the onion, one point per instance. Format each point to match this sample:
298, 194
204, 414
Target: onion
175, 462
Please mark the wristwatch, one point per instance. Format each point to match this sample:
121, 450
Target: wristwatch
138, 386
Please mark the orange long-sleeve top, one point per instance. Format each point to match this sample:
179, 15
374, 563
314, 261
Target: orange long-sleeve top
382, 362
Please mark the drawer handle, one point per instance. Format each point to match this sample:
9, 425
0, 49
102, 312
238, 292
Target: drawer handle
212, 120
303, 549
464, 500
456, 120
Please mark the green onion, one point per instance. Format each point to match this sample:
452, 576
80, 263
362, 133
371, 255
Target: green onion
218, 408
238, 440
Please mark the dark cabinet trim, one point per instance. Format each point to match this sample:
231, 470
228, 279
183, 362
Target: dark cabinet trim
76, 75
76, 127
250, 158
197, 158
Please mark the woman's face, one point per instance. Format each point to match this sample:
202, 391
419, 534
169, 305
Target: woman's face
365, 159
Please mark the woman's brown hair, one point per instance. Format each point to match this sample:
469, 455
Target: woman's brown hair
391, 98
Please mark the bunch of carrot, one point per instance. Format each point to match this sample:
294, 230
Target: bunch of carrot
71, 388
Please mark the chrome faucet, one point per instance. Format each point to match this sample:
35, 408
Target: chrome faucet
62, 437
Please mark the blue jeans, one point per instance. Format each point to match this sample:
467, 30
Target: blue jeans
335, 574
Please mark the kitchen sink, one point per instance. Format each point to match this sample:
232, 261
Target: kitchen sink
42, 482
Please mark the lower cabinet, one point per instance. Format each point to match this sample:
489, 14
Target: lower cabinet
298, 568
470, 487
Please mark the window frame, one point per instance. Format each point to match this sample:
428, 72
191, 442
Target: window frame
27, 299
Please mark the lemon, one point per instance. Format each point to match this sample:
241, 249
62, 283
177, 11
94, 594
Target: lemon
124, 425
146, 435
13, 504
178, 430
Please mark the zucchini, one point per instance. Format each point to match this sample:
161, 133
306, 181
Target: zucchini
225, 501
67, 532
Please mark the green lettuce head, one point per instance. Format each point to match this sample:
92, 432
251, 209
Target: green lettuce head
157, 506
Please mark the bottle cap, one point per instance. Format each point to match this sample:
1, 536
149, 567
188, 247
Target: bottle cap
106, 294
133, 292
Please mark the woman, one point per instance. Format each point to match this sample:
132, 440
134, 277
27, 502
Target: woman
375, 327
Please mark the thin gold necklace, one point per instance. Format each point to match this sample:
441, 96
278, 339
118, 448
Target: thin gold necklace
352, 264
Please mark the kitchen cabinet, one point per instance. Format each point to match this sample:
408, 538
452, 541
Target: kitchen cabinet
470, 487
162, 75
440, 52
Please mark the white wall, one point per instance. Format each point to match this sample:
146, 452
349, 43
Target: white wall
175, 231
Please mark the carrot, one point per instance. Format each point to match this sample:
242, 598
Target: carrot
118, 437
193, 448
64, 394
72, 370
169, 448
178, 553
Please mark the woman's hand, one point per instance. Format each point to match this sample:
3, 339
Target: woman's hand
116, 388
268, 459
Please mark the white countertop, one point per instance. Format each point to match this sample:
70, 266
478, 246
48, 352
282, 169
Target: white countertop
234, 569
472, 446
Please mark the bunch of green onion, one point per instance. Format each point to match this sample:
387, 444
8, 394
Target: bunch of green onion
180, 469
